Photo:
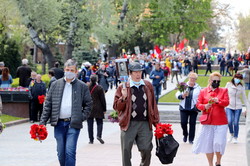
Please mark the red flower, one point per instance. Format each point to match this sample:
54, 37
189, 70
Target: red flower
41, 99
162, 129
38, 132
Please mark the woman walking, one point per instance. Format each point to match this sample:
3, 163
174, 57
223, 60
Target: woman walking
235, 91
98, 109
188, 110
212, 137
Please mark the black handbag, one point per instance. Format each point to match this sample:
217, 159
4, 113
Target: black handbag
166, 149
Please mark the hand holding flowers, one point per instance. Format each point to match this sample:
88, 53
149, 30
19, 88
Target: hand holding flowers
113, 117
181, 86
38, 132
211, 101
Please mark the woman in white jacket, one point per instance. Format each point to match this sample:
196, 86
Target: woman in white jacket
187, 107
236, 90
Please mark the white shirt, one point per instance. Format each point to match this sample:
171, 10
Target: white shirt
66, 104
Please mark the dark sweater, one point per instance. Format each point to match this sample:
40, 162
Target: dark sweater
139, 104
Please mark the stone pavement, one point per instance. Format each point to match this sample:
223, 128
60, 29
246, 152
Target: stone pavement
18, 149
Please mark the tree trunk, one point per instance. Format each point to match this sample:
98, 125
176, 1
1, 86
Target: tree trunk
112, 50
69, 48
70, 39
41, 45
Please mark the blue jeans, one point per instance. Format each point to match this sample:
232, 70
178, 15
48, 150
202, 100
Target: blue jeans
247, 86
66, 139
233, 117
157, 91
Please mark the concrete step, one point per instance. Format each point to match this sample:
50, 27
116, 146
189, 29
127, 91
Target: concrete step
167, 116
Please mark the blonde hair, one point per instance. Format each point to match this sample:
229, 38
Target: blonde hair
214, 74
192, 74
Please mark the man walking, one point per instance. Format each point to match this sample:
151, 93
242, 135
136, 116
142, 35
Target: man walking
136, 105
157, 75
67, 105
23, 72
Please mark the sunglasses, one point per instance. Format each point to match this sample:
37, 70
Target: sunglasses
214, 81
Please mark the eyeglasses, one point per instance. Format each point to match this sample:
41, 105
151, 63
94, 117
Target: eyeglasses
193, 78
214, 81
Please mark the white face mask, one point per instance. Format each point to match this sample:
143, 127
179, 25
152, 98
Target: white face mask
69, 75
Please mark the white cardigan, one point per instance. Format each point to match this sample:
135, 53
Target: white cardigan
196, 93
235, 93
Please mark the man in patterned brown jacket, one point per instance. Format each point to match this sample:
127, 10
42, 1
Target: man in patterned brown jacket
137, 109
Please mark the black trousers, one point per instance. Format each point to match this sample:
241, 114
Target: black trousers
208, 69
191, 116
36, 110
99, 123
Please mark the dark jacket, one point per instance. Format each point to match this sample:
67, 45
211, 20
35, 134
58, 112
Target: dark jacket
23, 72
124, 107
98, 97
102, 79
36, 90
59, 73
81, 103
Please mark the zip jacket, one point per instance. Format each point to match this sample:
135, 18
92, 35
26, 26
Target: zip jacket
235, 94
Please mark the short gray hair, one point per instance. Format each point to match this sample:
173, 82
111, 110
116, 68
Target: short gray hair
25, 61
70, 62
2, 64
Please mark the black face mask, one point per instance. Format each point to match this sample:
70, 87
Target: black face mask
215, 84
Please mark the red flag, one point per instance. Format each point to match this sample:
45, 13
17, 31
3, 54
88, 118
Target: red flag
200, 44
157, 51
181, 45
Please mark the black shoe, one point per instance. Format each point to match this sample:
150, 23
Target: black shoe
91, 142
184, 139
191, 142
99, 139
217, 164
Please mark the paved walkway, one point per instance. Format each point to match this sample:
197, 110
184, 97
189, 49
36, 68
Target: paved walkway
18, 149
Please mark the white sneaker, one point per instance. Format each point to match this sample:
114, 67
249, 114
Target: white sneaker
230, 139
235, 140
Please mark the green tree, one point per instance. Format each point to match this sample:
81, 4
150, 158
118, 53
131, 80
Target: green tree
9, 54
182, 19
243, 33
41, 19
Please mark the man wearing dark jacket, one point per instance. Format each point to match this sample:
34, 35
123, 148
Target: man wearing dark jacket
58, 72
36, 88
23, 72
68, 104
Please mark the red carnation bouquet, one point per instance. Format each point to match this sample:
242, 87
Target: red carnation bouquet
38, 132
41, 99
163, 129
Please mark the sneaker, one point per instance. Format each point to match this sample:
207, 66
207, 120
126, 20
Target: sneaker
235, 140
230, 139
99, 139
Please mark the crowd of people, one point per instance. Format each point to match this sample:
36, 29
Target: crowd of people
74, 95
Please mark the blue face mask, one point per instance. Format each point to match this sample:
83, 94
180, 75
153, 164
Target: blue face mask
136, 83
236, 80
